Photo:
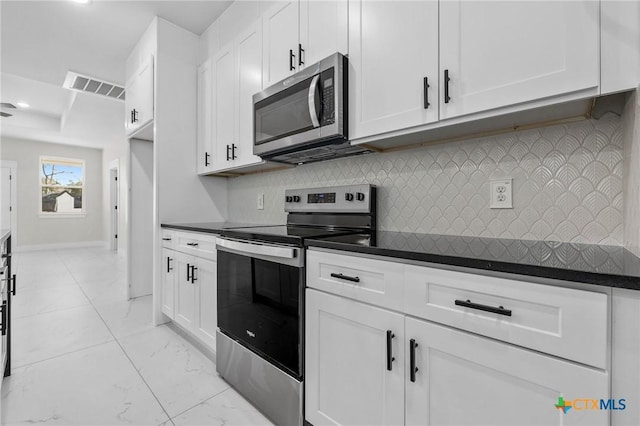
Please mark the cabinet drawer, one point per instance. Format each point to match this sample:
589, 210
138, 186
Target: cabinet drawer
373, 281
565, 322
168, 238
201, 245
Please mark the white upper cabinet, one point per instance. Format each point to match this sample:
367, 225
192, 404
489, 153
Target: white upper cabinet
248, 50
205, 149
139, 97
300, 33
393, 52
280, 25
223, 106
498, 54
323, 30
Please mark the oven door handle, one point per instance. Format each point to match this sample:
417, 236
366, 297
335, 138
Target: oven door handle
312, 101
253, 248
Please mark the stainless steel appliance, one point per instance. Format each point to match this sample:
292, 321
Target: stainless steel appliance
261, 282
304, 118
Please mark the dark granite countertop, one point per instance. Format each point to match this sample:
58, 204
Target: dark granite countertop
210, 227
586, 263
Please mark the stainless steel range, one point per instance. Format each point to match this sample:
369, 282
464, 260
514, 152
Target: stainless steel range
261, 282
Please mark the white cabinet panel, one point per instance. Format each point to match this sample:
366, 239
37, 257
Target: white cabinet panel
463, 379
280, 25
168, 281
393, 47
323, 29
224, 100
565, 322
185, 295
139, 97
207, 321
504, 53
347, 380
205, 150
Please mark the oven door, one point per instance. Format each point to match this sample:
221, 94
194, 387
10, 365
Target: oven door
260, 299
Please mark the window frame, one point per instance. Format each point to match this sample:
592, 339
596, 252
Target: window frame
53, 159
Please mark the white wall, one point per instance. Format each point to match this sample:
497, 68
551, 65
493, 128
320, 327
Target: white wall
631, 131
35, 231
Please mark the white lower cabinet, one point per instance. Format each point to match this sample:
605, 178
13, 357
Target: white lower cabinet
347, 378
466, 379
189, 288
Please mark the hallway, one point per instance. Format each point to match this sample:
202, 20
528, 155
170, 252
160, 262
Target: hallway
84, 355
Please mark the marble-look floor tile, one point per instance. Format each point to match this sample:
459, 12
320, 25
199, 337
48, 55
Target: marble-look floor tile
44, 336
95, 386
34, 302
127, 317
105, 289
228, 408
177, 373
39, 279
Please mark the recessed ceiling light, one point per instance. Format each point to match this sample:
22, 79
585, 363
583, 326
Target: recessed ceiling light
82, 1
22, 104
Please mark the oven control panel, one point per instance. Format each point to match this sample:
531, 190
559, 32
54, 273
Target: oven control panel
336, 199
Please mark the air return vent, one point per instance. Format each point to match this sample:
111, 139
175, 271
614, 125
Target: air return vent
82, 83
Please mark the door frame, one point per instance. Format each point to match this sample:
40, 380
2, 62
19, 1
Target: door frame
13, 167
114, 203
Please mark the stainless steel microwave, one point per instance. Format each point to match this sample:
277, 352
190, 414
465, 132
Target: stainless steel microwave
303, 118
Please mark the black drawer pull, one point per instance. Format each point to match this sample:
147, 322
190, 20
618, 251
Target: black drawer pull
426, 92
346, 277
390, 357
412, 360
447, 98
166, 239
13, 290
469, 304
192, 244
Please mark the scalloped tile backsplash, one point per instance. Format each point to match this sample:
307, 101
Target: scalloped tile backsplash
567, 185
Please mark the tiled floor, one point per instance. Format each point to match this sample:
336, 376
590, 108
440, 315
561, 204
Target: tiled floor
84, 355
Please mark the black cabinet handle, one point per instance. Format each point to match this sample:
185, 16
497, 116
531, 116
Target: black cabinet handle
13, 279
390, 357
131, 119
412, 360
426, 86
446, 86
134, 116
169, 268
291, 58
166, 239
346, 277
4, 317
469, 304
233, 151
228, 151
192, 244
206, 159
300, 52
188, 274
193, 274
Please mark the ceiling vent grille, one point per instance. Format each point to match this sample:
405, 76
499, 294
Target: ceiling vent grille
82, 83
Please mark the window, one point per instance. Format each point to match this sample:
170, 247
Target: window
62, 186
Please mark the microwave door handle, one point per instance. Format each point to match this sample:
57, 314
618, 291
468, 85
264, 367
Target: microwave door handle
312, 101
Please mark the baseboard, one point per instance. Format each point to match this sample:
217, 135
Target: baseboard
58, 246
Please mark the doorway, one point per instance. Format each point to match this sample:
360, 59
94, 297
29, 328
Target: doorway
8, 197
113, 205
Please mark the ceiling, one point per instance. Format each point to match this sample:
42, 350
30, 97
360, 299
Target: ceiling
41, 40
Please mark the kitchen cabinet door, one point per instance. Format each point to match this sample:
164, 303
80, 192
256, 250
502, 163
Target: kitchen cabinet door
280, 42
248, 54
207, 301
505, 53
393, 52
323, 30
205, 150
139, 97
168, 281
224, 104
347, 380
466, 379
185, 294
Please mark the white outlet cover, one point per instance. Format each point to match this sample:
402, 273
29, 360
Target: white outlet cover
501, 194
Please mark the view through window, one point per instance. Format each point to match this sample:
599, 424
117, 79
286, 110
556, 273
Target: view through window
62, 185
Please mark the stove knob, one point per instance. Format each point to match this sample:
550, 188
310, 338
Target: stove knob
288, 198
296, 198
359, 196
348, 196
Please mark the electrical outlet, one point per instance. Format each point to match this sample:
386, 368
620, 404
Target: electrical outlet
260, 201
501, 194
